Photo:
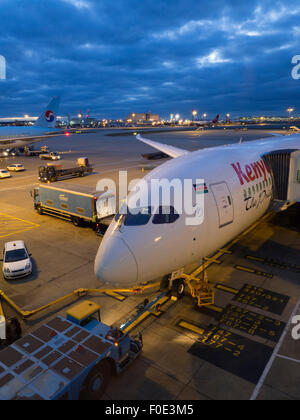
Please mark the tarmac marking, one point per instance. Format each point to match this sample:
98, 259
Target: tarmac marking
227, 289
191, 327
274, 355
288, 358
10, 225
252, 271
232, 353
275, 263
252, 323
215, 308
263, 299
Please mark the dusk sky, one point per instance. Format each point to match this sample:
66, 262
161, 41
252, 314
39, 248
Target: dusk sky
169, 56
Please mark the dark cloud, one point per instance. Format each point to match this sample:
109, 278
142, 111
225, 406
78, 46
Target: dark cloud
171, 56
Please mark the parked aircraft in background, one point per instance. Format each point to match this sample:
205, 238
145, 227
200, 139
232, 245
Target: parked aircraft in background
44, 128
203, 124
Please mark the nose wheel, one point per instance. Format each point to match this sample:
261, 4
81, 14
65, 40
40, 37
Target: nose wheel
176, 287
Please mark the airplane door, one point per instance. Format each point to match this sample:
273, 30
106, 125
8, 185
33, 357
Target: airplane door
224, 203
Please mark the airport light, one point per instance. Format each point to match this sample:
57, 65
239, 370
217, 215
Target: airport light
204, 115
194, 113
177, 117
290, 111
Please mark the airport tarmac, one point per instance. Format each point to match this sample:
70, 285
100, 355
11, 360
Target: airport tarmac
247, 350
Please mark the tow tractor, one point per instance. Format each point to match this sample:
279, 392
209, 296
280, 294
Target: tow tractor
68, 358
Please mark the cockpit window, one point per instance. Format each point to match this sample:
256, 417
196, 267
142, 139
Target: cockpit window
165, 215
138, 217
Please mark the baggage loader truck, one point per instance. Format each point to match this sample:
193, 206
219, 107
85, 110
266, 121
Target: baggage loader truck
68, 358
80, 208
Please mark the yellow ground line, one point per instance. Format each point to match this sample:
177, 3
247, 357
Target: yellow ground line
18, 231
227, 289
248, 270
215, 308
1, 311
191, 327
13, 223
249, 257
22, 220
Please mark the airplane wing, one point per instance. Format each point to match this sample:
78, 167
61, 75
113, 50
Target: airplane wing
10, 140
171, 151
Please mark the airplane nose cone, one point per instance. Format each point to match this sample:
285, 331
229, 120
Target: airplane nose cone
115, 264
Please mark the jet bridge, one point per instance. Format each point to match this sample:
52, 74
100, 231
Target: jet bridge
285, 170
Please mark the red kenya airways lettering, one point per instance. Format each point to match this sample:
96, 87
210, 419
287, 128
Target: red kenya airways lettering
251, 172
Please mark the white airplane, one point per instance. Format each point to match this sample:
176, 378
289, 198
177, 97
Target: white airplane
238, 191
44, 128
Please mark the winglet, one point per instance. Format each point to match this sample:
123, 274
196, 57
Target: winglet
48, 117
171, 151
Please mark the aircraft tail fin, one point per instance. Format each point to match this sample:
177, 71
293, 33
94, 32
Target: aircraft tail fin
216, 120
48, 117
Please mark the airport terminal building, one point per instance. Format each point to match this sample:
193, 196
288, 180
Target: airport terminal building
141, 118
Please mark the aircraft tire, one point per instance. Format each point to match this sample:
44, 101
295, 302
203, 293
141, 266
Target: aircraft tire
178, 288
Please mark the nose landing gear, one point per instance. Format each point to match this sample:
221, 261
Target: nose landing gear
175, 287
200, 289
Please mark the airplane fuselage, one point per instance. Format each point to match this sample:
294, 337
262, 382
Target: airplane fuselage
238, 191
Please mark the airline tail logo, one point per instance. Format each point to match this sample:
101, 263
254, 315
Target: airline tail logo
49, 116
216, 120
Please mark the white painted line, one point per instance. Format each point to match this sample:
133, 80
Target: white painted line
288, 358
275, 353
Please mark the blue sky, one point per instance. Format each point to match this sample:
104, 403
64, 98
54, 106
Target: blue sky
116, 57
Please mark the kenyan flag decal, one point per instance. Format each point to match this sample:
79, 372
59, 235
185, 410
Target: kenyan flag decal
201, 188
